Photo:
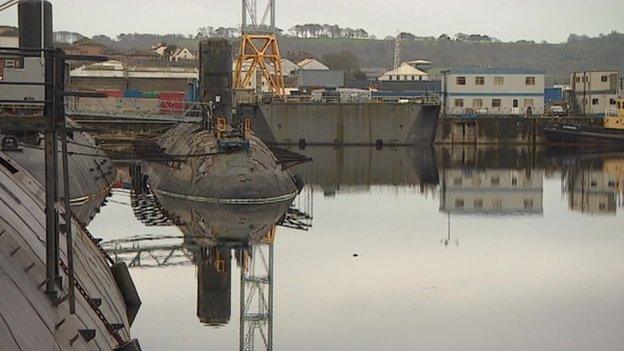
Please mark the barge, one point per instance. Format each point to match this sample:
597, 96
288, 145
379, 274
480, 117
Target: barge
611, 133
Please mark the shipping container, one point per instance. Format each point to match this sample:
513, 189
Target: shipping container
172, 101
111, 92
151, 95
553, 95
136, 94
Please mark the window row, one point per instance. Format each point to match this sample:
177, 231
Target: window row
596, 101
405, 78
494, 181
496, 203
498, 80
496, 103
585, 79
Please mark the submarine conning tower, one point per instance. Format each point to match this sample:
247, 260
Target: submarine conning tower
215, 75
30, 24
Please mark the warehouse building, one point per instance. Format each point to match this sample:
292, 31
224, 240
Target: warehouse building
594, 91
493, 91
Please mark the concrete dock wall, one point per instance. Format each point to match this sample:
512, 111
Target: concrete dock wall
498, 129
344, 124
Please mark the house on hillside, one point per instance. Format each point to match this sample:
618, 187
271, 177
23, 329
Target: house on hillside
181, 54
312, 64
9, 37
405, 72
160, 49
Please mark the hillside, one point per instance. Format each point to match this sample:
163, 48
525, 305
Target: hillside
579, 53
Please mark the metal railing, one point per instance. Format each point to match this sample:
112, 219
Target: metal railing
137, 107
335, 99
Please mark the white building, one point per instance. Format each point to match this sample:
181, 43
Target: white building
289, 68
312, 64
181, 54
594, 91
493, 91
492, 192
405, 72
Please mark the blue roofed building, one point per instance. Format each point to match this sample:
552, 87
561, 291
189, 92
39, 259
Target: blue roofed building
493, 91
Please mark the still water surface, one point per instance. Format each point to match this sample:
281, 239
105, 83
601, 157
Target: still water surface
452, 249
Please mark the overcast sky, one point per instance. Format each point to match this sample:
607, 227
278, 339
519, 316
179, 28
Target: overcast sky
537, 20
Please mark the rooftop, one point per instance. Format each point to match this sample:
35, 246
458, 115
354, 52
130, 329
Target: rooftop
8, 31
493, 70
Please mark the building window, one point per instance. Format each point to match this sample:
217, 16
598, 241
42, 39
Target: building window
528, 103
496, 103
578, 79
459, 102
594, 101
457, 181
514, 181
461, 80
413, 78
530, 80
515, 103
9, 64
612, 102
477, 103
528, 204
480, 80
497, 203
604, 79
459, 203
478, 203
499, 80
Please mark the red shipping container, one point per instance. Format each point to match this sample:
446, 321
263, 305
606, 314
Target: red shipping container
172, 101
111, 92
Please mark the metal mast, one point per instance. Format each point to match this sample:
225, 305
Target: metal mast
397, 50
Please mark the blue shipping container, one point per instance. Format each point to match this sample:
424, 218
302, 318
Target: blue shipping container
136, 94
552, 95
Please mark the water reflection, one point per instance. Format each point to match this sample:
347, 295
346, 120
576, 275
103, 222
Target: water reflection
213, 237
595, 186
492, 208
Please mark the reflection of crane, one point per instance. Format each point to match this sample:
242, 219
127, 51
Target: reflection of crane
256, 296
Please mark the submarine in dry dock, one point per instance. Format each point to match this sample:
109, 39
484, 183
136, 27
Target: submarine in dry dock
220, 161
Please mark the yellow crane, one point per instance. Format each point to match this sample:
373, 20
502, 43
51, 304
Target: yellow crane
259, 55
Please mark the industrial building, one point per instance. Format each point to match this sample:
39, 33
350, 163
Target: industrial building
308, 80
117, 75
493, 91
594, 91
312, 64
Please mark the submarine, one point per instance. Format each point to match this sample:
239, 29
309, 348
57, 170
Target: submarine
91, 171
220, 160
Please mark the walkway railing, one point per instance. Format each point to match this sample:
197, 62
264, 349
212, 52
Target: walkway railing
137, 107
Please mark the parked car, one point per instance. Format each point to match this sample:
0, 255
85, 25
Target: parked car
557, 111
